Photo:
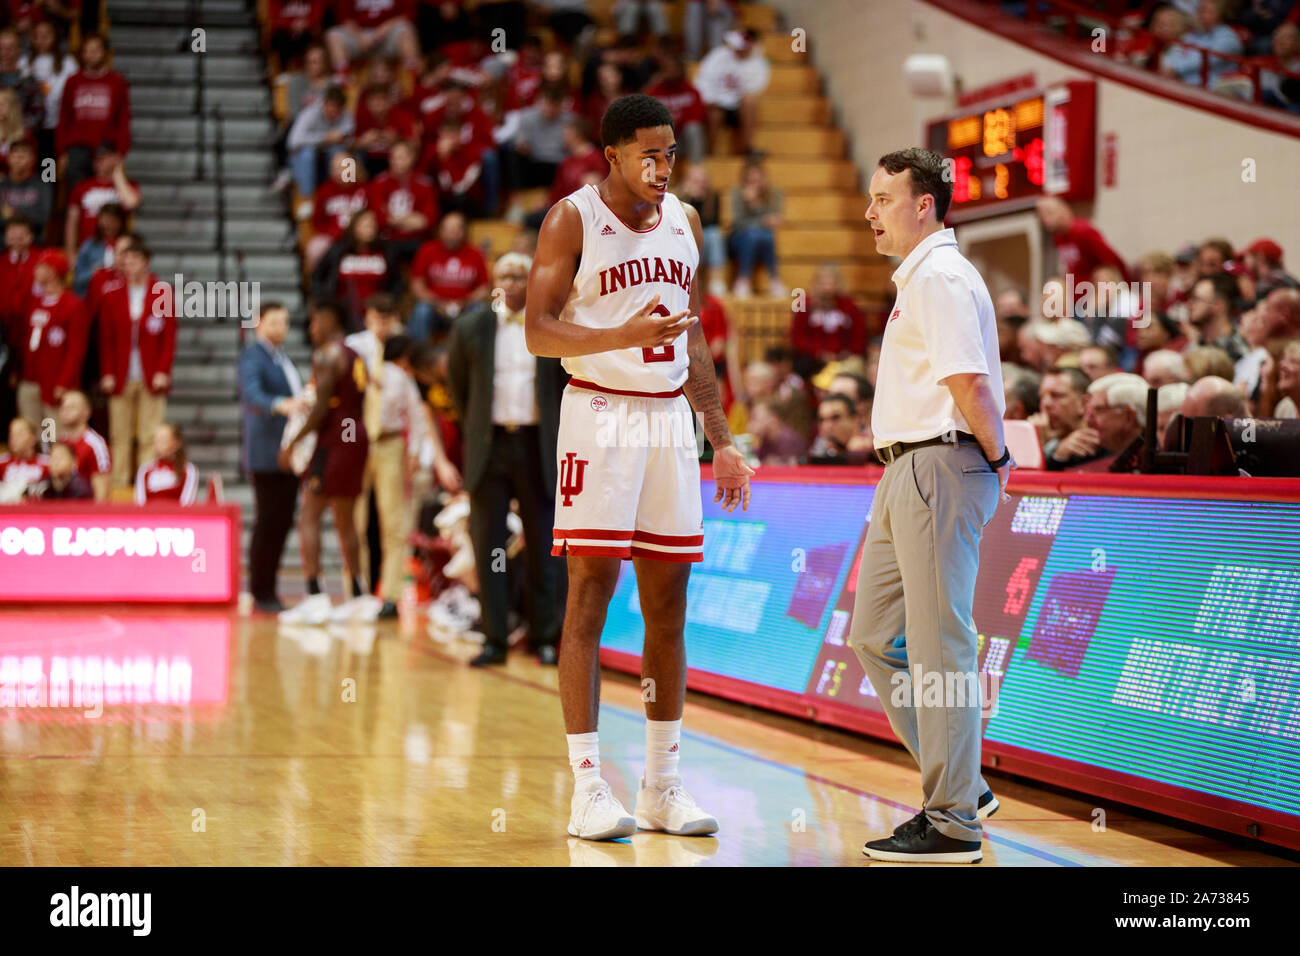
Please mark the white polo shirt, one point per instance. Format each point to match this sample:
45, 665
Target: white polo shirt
942, 324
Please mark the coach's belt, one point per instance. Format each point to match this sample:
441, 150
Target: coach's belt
888, 454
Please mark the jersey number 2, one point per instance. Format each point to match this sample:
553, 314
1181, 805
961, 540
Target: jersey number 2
661, 353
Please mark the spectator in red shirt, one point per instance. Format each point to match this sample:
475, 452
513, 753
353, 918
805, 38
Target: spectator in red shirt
1079, 246
476, 135
829, 327
690, 118
109, 185
458, 171
404, 201
22, 467
429, 96
585, 164
29, 97
171, 477
291, 27
17, 264
382, 123
523, 78
367, 27
94, 461
447, 275
609, 87
137, 345
53, 344
335, 203
356, 267
96, 108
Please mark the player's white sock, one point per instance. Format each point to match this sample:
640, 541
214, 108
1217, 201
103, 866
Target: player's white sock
584, 758
662, 740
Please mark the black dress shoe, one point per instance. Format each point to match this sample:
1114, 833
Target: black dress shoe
388, 612
489, 655
547, 655
272, 606
922, 843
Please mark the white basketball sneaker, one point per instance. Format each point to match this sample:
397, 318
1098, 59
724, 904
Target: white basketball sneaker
672, 810
364, 609
313, 610
596, 814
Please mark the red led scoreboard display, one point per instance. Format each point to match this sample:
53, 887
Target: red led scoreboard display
1009, 152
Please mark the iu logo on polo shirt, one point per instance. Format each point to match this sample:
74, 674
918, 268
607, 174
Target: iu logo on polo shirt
572, 469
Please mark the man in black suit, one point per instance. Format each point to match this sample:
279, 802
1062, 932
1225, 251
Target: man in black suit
509, 403
269, 392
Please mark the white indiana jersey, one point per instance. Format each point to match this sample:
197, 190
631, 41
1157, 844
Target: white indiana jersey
620, 271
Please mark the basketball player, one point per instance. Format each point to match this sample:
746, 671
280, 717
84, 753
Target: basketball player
612, 292
335, 473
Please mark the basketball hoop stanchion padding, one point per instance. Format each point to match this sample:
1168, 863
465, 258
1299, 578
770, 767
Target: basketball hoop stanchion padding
89, 552
1091, 586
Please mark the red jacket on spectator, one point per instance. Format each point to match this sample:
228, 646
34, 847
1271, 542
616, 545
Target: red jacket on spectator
392, 198
53, 342
368, 14
296, 16
91, 451
89, 197
682, 101
400, 122
475, 127
155, 336
335, 205
102, 281
457, 174
160, 481
841, 328
426, 101
450, 275
95, 110
1081, 249
522, 83
568, 177
16, 284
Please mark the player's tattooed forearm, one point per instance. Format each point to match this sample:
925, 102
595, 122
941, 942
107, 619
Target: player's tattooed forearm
701, 389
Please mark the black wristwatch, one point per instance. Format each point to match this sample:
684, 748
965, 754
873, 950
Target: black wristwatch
1006, 457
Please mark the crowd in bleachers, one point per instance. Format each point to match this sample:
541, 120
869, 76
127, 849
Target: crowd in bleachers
79, 335
1240, 48
1215, 327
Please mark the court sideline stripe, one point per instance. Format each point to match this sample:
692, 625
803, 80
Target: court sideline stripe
694, 735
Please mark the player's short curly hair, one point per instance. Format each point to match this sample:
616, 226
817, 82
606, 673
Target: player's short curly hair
627, 114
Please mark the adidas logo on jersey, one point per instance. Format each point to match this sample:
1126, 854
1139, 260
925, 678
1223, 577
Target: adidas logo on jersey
607, 231
586, 764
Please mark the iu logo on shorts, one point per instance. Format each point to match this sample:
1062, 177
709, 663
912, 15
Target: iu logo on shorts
572, 469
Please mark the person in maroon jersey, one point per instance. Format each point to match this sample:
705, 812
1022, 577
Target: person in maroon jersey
447, 275
335, 203
109, 185
171, 477
405, 202
334, 476
96, 108
137, 342
356, 267
94, 461
22, 467
54, 337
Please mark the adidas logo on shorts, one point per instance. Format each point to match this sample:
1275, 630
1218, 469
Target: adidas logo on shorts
607, 231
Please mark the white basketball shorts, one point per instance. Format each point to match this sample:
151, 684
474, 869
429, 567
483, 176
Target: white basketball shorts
629, 476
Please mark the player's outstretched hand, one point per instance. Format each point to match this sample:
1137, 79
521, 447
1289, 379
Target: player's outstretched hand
646, 329
731, 478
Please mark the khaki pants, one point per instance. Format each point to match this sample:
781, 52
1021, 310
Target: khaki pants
133, 417
35, 411
385, 473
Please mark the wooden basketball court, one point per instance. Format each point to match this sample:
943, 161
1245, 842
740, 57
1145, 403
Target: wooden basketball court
378, 746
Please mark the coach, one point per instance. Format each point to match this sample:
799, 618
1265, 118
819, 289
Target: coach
269, 391
937, 426
509, 402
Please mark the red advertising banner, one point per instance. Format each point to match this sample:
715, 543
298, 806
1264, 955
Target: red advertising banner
82, 552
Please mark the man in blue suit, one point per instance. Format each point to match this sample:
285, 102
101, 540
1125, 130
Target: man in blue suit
270, 391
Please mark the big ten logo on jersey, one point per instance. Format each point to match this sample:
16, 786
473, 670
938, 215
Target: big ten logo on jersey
572, 471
